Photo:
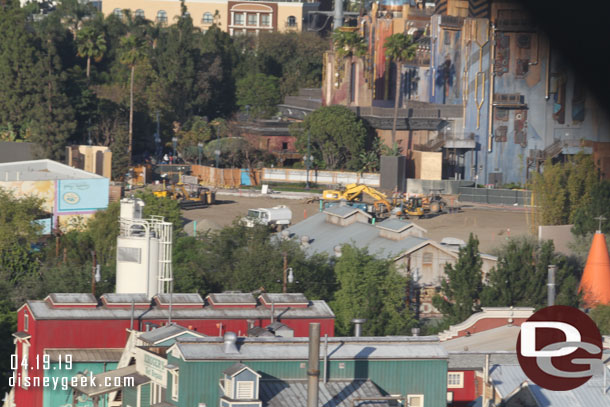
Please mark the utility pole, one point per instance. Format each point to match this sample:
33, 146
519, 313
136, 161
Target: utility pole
285, 284
600, 218
93, 269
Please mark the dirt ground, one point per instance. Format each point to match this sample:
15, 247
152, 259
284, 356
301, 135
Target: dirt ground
491, 225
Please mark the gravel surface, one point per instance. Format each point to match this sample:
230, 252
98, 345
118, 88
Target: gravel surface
492, 225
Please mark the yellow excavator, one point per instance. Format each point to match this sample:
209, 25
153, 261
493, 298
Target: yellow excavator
382, 206
190, 196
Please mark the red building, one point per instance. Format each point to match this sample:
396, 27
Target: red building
80, 321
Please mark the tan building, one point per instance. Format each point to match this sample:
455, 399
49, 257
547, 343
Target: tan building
234, 17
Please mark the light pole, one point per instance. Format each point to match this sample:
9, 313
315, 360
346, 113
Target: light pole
288, 275
217, 154
308, 159
200, 151
174, 144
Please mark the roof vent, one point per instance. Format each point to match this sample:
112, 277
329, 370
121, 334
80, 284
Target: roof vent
337, 250
305, 241
230, 343
285, 234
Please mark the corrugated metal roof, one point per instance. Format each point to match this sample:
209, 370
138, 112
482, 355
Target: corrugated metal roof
298, 350
476, 360
42, 310
73, 298
324, 236
85, 354
163, 333
232, 298
285, 298
503, 338
97, 387
506, 378
395, 225
181, 298
114, 298
343, 211
277, 393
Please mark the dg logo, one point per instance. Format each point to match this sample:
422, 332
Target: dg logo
559, 348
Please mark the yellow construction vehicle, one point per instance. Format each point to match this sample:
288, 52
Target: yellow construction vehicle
382, 206
190, 196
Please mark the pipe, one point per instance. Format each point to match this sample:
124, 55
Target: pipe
492, 76
325, 358
551, 285
358, 326
133, 309
548, 72
313, 371
338, 22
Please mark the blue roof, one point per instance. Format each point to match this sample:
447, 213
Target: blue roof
507, 378
324, 236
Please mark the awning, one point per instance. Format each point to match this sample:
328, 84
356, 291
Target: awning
110, 381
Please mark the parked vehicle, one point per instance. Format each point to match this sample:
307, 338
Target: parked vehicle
277, 217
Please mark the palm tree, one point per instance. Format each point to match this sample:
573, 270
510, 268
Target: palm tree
399, 48
131, 52
74, 13
90, 44
347, 45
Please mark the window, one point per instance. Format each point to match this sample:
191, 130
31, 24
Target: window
415, 400
208, 18
140, 13
238, 19
175, 384
162, 17
118, 12
292, 21
284, 146
252, 19
427, 258
265, 20
455, 380
26, 322
245, 390
157, 393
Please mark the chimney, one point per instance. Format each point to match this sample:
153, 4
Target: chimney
313, 370
230, 343
551, 285
358, 326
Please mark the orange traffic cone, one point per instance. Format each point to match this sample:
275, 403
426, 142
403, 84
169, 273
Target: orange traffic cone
595, 281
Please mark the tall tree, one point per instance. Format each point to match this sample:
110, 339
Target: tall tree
337, 137
520, 276
399, 48
462, 287
348, 44
91, 44
370, 288
132, 51
259, 95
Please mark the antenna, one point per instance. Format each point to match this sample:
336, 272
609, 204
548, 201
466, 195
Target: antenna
600, 218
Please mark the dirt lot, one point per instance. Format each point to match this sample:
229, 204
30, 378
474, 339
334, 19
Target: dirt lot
491, 225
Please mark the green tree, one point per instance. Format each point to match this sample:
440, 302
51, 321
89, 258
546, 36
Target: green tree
197, 130
91, 44
598, 205
370, 288
347, 45
399, 48
601, 316
520, 276
259, 93
338, 136
462, 287
132, 51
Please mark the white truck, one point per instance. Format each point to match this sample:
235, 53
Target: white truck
278, 217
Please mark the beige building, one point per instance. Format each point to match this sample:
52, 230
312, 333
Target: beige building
234, 17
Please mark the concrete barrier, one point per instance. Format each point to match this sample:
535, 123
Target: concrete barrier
513, 197
424, 186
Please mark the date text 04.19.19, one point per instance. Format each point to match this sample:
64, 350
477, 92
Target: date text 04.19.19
38, 362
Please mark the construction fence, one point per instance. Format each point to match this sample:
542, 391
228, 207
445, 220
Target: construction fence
226, 177
519, 197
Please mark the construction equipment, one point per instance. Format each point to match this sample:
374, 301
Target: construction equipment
382, 205
277, 217
433, 202
190, 196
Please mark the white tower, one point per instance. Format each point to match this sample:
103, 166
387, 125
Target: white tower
144, 252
